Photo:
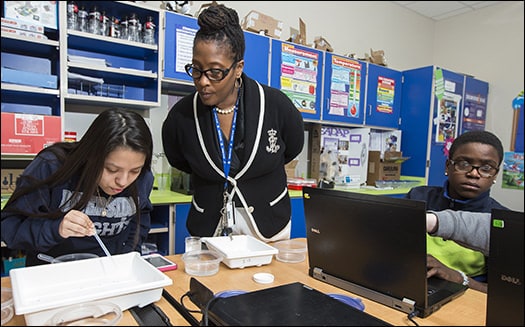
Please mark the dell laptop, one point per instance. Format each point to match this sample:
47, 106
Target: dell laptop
505, 269
292, 304
373, 246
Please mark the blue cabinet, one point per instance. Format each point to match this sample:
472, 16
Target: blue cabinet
383, 99
437, 106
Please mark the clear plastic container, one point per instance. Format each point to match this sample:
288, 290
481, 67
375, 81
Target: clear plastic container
290, 251
201, 262
8, 310
87, 314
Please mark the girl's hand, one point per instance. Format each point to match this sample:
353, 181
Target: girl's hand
76, 224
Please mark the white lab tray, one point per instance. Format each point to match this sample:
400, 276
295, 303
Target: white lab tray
126, 280
241, 251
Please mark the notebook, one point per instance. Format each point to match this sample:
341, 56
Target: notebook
292, 304
373, 246
505, 269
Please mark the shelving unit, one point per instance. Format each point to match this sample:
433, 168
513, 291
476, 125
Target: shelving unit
108, 71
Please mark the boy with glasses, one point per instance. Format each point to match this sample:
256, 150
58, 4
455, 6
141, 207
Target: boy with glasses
472, 168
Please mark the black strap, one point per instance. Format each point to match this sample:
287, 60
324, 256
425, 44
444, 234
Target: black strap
150, 315
183, 311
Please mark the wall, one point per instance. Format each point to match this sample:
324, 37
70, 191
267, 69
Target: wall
487, 43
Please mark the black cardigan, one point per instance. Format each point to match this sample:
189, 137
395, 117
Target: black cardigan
269, 134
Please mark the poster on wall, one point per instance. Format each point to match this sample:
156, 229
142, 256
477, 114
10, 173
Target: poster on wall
513, 170
299, 69
474, 112
385, 94
447, 118
345, 87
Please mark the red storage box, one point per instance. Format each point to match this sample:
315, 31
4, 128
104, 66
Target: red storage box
28, 134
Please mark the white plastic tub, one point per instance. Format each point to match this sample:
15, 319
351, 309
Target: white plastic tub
126, 280
241, 251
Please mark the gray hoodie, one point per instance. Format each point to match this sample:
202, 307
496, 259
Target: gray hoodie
470, 229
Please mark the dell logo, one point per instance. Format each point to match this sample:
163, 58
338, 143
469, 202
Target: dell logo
510, 279
315, 230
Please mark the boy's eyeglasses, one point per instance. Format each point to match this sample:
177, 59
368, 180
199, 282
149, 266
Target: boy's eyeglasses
485, 171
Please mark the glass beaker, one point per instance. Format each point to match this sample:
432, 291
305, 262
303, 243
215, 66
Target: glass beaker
162, 172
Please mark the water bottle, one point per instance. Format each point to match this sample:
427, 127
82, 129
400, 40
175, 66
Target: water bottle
104, 24
82, 19
124, 30
149, 31
72, 15
114, 27
94, 21
133, 28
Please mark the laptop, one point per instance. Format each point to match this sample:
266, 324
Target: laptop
505, 269
292, 304
373, 246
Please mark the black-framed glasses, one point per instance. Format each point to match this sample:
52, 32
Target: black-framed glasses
213, 74
485, 171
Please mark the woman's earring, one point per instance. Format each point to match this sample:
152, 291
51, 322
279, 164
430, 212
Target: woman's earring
238, 82
446, 173
494, 182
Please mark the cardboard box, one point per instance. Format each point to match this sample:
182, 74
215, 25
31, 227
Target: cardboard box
290, 168
22, 25
13, 31
322, 44
386, 168
258, 22
33, 12
9, 178
23, 133
299, 37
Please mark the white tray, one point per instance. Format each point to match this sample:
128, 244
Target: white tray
242, 251
126, 280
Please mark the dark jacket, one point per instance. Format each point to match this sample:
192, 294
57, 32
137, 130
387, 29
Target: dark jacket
117, 229
437, 198
269, 134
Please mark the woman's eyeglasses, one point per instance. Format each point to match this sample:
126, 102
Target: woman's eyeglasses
485, 171
213, 74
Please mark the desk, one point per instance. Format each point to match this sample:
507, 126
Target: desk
127, 319
467, 310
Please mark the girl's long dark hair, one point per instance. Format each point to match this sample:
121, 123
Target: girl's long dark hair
83, 161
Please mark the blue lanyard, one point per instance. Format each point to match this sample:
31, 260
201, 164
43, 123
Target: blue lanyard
226, 161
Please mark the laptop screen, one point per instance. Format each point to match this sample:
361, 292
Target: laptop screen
373, 241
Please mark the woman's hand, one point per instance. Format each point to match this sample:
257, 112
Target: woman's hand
76, 224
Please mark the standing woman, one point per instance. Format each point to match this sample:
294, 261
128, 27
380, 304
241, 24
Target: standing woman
100, 184
234, 136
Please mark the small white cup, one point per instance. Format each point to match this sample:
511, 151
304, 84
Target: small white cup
193, 243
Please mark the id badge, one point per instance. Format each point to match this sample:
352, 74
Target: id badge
230, 213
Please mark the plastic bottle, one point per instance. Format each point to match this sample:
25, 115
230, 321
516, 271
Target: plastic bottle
82, 19
94, 20
124, 30
104, 23
72, 15
114, 27
133, 28
149, 31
